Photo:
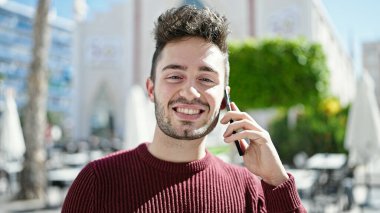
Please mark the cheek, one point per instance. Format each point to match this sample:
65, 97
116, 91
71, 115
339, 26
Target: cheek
161, 97
214, 97
164, 93
165, 87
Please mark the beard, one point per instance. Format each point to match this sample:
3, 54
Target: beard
189, 132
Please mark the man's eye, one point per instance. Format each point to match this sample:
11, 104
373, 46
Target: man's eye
207, 80
174, 78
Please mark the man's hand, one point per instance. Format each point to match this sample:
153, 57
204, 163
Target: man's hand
260, 156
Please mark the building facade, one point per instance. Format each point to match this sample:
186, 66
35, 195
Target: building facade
114, 51
16, 43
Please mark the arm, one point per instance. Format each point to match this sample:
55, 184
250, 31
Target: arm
261, 158
282, 198
80, 197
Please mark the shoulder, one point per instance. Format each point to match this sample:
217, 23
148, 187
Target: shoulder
116, 163
236, 170
241, 178
113, 157
115, 160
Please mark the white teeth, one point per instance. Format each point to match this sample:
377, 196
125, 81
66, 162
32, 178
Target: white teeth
188, 111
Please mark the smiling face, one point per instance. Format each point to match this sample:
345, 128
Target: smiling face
188, 89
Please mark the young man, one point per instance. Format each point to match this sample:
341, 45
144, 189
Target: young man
175, 172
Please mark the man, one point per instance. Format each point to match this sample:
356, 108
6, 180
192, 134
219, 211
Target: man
175, 172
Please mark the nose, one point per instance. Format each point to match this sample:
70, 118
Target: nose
189, 92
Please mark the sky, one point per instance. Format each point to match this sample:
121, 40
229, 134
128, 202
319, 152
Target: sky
355, 21
355, 18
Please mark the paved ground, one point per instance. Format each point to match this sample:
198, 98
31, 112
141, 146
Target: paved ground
360, 195
51, 205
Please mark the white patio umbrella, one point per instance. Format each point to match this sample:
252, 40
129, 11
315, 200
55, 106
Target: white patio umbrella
363, 127
12, 144
363, 130
140, 119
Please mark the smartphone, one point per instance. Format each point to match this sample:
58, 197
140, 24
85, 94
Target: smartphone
228, 106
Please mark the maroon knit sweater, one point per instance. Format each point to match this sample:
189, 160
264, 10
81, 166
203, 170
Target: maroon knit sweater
136, 181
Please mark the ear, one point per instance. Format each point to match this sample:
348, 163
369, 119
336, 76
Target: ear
150, 88
223, 104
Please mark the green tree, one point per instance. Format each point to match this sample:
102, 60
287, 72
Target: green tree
33, 176
277, 73
283, 73
319, 128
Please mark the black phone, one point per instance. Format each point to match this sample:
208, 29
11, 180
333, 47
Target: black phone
228, 107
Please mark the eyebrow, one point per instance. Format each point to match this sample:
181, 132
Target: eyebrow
175, 67
208, 69
184, 68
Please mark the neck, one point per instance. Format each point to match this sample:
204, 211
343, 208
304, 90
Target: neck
174, 150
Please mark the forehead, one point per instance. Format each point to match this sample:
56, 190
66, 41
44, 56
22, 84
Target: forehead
193, 51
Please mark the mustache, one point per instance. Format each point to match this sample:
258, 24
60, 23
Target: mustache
183, 100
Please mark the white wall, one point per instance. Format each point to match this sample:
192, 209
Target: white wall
104, 57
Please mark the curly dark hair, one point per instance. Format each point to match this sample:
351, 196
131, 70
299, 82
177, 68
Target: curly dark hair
189, 21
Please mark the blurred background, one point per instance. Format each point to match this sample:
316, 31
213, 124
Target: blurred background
72, 89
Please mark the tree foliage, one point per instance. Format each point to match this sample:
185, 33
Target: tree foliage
277, 72
284, 73
318, 129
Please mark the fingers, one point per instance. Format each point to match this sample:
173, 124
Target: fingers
237, 115
238, 126
234, 115
234, 107
243, 127
253, 136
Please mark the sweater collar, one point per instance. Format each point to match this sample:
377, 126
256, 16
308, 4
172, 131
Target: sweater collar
166, 166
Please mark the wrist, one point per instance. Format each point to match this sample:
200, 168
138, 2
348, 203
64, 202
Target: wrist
277, 180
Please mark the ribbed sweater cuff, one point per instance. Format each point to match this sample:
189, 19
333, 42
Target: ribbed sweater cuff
282, 198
